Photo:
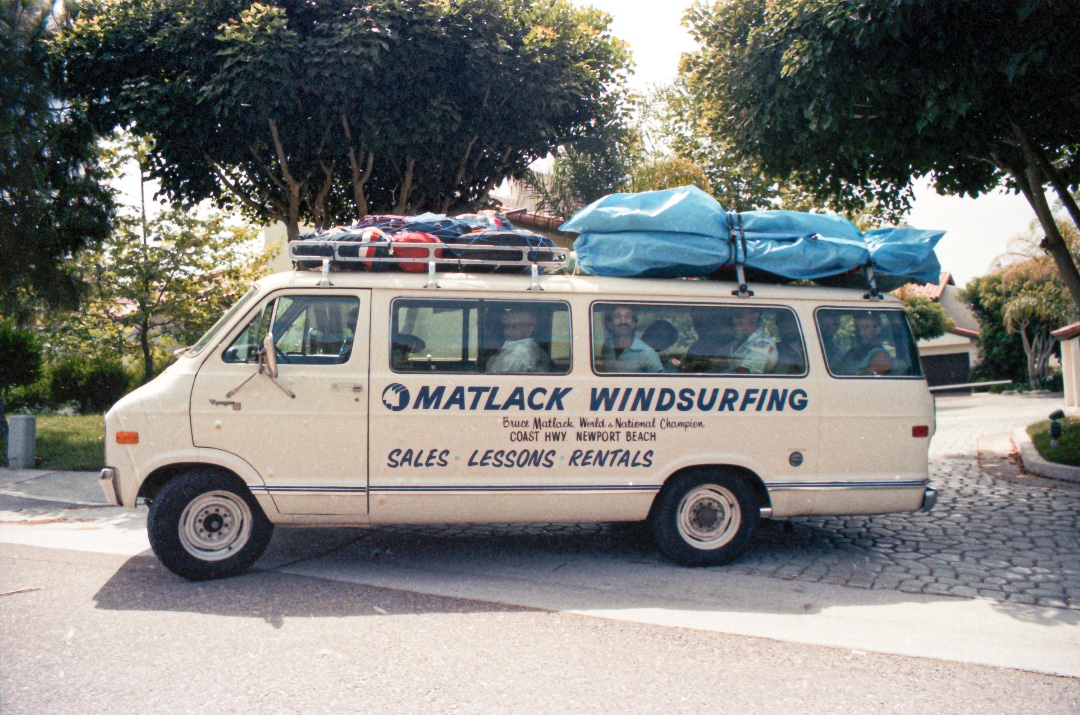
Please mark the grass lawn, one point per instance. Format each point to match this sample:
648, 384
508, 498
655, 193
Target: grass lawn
67, 442
1068, 451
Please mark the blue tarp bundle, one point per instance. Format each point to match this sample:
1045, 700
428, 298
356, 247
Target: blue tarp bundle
685, 232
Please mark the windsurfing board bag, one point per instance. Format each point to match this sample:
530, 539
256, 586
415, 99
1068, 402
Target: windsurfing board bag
684, 232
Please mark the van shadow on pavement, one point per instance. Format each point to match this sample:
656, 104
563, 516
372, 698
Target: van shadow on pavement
563, 567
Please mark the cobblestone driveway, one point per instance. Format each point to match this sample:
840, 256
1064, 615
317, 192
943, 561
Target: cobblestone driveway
987, 537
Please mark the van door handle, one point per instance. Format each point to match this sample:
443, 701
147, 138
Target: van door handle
355, 387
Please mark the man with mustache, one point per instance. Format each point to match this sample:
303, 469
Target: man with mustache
623, 351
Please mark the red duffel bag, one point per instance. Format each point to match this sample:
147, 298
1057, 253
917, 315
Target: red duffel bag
420, 253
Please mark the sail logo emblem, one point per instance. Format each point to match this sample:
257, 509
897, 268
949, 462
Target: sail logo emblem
395, 397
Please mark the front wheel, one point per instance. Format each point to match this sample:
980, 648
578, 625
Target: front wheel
205, 525
704, 518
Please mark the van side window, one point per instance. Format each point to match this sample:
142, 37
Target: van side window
696, 339
867, 343
307, 330
480, 336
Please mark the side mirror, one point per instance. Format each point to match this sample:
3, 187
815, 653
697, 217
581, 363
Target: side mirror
269, 354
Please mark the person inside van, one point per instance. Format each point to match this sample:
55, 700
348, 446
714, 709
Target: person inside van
790, 360
520, 352
757, 353
345, 351
661, 335
869, 356
711, 352
623, 351
829, 326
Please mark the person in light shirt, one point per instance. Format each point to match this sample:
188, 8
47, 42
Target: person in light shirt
757, 353
623, 351
520, 351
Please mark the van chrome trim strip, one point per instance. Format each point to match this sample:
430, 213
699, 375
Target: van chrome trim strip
299, 489
522, 488
908, 484
321, 490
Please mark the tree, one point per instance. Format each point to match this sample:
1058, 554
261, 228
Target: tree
667, 172
159, 283
318, 112
1033, 313
866, 95
53, 199
927, 318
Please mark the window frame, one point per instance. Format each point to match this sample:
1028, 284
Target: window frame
690, 305
273, 302
853, 309
480, 315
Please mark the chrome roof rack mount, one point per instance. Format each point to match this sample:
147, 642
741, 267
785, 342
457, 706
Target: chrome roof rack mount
376, 255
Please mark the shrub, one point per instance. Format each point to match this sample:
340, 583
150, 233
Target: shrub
94, 384
31, 398
20, 358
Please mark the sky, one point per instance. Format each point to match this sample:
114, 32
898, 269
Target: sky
978, 230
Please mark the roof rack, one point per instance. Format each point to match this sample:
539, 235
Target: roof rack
314, 254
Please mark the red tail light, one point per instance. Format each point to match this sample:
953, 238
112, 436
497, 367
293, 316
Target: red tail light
920, 431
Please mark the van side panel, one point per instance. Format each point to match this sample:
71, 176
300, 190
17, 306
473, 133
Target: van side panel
475, 447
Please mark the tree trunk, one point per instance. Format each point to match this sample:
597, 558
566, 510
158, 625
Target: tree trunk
1060, 187
406, 186
144, 345
1031, 180
359, 177
292, 219
318, 208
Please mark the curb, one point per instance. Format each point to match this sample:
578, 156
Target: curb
1034, 462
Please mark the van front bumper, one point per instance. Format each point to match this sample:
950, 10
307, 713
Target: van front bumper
107, 480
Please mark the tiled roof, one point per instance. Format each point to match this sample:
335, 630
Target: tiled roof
1068, 332
930, 290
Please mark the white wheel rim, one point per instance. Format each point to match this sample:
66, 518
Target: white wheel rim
215, 525
708, 517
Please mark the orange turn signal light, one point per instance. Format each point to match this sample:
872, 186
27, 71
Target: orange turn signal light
920, 431
127, 437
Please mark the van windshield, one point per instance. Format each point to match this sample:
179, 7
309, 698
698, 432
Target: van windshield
213, 331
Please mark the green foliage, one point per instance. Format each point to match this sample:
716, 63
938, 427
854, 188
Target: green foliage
1068, 451
20, 359
317, 112
667, 172
92, 383
578, 178
53, 199
856, 98
1017, 308
32, 398
157, 286
927, 318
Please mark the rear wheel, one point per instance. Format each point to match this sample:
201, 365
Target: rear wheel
206, 525
704, 518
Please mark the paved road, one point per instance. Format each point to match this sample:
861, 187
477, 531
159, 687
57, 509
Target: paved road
991, 576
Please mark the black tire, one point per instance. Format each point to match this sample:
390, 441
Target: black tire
205, 525
704, 517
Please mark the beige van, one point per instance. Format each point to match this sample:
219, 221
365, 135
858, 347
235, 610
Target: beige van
352, 398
